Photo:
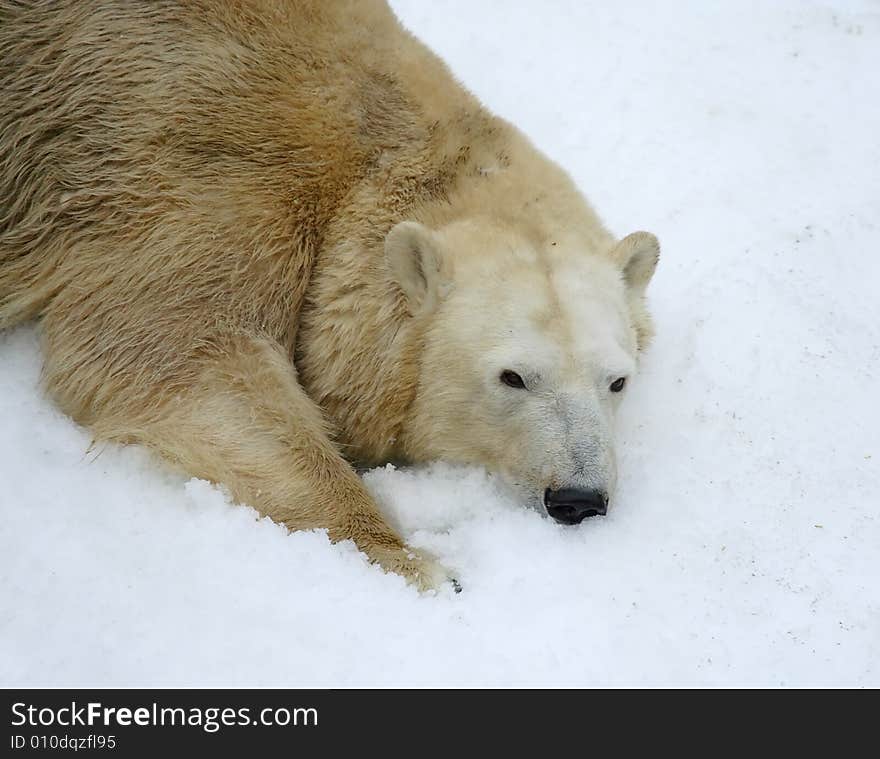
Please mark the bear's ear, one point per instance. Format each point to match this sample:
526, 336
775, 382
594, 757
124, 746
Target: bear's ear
412, 255
637, 255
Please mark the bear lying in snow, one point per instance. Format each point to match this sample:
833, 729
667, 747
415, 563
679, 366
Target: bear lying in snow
269, 240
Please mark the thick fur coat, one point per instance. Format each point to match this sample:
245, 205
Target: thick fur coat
201, 200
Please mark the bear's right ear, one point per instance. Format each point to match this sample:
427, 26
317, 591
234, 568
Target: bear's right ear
412, 255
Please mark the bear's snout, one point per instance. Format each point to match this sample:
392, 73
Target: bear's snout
573, 505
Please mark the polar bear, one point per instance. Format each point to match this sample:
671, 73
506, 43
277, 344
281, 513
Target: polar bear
273, 240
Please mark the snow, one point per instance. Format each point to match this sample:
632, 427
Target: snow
743, 545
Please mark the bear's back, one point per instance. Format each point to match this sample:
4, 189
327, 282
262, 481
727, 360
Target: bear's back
165, 138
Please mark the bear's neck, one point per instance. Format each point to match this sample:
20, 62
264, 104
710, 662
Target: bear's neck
358, 351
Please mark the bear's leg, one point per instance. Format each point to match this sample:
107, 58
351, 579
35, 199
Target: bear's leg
247, 424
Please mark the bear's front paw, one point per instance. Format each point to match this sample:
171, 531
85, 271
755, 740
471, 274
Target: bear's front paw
418, 568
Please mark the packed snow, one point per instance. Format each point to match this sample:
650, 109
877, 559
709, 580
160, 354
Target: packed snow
743, 544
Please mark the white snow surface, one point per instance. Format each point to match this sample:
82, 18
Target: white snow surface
743, 544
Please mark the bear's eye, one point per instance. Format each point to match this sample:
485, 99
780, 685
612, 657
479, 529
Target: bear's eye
617, 385
512, 379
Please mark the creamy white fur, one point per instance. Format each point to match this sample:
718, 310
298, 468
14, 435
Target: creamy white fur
556, 317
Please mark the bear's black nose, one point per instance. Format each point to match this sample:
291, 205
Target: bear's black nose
573, 505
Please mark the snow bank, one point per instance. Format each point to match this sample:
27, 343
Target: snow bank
743, 546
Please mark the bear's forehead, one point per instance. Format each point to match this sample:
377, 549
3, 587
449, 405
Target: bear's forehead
559, 295
570, 318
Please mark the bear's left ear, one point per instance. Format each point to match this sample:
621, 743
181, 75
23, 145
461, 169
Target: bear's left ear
413, 257
637, 255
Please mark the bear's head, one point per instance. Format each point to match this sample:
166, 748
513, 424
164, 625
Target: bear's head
528, 348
